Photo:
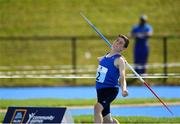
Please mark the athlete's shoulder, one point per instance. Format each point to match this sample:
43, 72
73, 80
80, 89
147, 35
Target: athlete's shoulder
122, 60
119, 61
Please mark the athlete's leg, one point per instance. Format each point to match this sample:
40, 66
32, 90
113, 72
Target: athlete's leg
106, 114
98, 108
108, 119
102, 107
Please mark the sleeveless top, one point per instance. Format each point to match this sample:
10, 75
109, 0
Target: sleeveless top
107, 74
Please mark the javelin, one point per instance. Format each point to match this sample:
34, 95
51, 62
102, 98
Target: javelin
131, 68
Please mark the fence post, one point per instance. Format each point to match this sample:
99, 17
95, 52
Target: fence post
165, 56
73, 47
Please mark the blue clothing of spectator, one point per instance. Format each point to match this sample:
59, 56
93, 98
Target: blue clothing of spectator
141, 34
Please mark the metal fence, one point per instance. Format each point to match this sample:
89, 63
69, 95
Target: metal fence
73, 45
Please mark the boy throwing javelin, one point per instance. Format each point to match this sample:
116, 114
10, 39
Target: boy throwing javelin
110, 73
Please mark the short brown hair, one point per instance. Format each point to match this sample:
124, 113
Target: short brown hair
125, 39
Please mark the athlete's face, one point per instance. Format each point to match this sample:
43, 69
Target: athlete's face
118, 44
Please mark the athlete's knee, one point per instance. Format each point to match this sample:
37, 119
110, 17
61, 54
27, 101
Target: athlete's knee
98, 108
115, 121
107, 118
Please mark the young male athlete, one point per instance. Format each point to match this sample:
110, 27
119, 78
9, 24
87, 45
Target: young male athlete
110, 72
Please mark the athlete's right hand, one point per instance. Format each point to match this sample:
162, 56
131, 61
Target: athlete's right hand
124, 93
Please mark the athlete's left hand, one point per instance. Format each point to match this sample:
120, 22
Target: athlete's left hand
124, 93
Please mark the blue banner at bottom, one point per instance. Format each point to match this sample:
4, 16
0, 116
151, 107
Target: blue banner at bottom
36, 115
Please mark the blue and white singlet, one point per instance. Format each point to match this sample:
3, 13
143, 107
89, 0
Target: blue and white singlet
107, 74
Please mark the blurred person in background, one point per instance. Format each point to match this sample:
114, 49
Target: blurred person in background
141, 33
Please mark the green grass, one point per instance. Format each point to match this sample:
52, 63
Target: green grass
131, 120
75, 102
86, 102
123, 120
62, 18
